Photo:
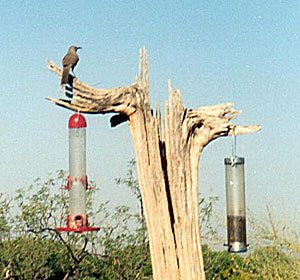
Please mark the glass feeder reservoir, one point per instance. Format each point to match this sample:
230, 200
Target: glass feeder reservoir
235, 204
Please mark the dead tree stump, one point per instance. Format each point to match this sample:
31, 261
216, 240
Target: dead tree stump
167, 155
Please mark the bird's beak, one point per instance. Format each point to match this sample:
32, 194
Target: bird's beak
78, 48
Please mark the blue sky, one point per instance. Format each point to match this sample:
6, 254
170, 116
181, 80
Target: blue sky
245, 52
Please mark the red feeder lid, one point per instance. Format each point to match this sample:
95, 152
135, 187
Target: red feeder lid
76, 121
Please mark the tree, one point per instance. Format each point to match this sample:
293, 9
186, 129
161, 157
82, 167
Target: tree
167, 156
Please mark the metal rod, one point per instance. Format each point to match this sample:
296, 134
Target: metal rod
234, 146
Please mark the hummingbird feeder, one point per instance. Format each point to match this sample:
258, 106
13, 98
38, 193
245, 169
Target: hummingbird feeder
77, 182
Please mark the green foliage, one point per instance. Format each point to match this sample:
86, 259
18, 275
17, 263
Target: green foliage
4, 217
30, 248
272, 263
125, 252
221, 265
131, 261
31, 258
206, 209
130, 180
264, 264
41, 206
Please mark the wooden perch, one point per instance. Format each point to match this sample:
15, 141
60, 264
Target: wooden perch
90, 100
167, 155
124, 100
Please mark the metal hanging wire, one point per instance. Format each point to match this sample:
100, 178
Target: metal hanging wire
233, 147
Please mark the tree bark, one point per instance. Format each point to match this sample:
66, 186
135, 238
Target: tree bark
167, 156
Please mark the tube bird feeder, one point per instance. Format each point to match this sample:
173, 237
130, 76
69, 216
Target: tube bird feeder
77, 182
235, 203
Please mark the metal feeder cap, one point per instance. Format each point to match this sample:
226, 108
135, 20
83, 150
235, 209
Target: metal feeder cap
235, 160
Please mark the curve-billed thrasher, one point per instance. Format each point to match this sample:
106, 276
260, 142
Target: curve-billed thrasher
69, 61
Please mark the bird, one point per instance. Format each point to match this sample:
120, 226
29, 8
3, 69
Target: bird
69, 61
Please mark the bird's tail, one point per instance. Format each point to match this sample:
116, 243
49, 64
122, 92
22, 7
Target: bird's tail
65, 75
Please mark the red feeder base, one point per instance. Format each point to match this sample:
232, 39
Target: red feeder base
80, 224
78, 229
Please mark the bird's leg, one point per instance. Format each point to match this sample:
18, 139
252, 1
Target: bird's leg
73, 73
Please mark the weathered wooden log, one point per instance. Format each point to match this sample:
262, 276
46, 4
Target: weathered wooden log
167, 156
